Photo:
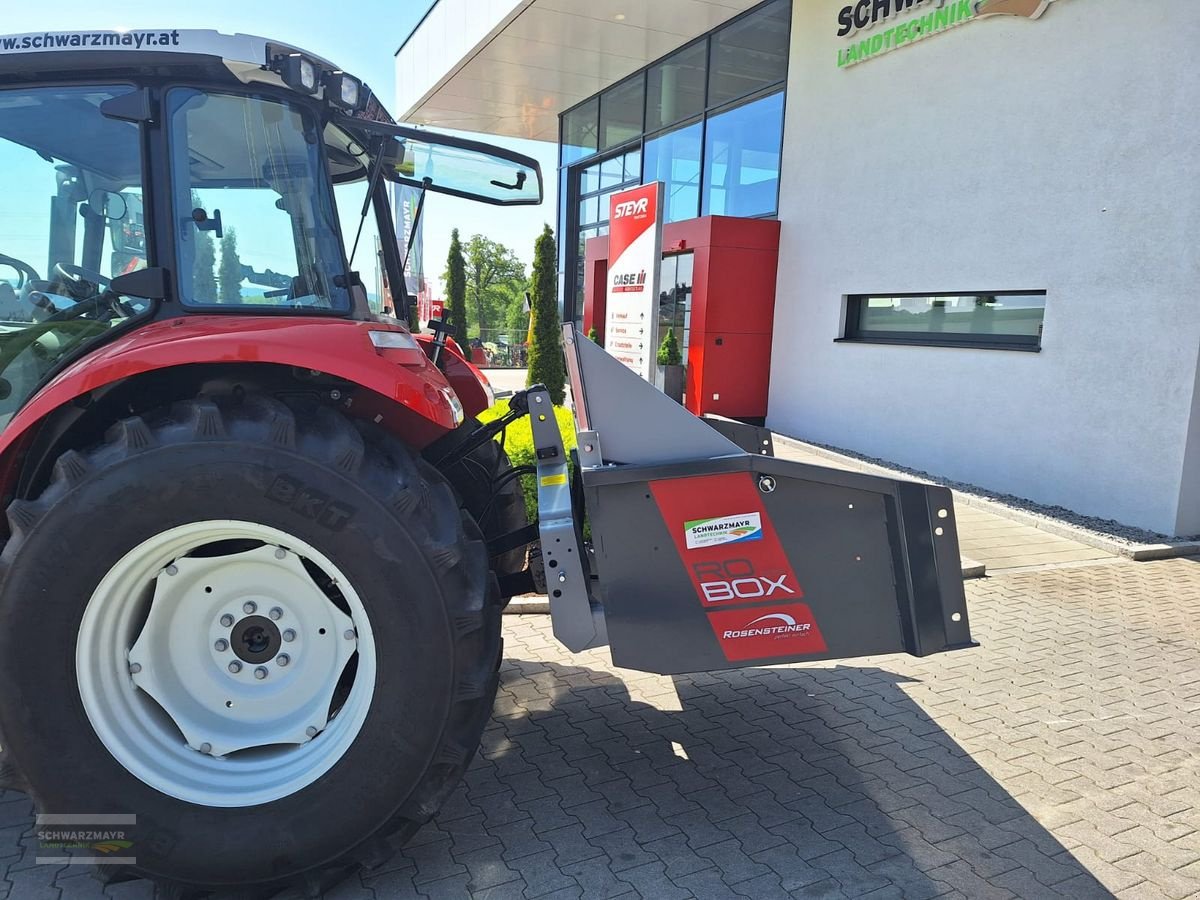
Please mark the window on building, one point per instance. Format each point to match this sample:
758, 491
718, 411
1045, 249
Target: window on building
675, 299
594, 185
580, 129
675, 87
749, 54
742, 150
674, 159
621, 112
1003, 320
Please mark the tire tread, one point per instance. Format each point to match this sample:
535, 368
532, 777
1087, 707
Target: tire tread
414, 493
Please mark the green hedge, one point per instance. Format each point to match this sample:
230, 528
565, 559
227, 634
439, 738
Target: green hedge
518, 444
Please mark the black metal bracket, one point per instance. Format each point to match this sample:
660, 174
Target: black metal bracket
518, 407
522, 537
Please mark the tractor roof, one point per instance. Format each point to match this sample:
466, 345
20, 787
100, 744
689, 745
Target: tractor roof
248, 57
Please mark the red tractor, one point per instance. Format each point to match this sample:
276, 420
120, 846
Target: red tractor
257, 541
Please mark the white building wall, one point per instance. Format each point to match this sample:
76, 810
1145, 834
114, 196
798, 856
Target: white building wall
1060, 154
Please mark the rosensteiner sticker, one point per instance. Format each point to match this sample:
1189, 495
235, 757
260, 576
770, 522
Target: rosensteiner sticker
725, 530
766, 632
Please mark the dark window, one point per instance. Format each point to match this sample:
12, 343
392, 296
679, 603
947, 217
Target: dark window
674, 159
675, 87
621, 112
749, 54
579, 129
675, 299
1004, 320
742, 150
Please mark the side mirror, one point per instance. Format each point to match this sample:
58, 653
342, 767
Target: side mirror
152, 283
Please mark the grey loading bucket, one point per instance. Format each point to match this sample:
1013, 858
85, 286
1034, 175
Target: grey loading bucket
708, 556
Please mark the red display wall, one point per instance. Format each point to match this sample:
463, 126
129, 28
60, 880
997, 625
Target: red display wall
735, 262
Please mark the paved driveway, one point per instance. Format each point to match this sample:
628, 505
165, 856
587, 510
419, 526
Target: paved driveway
1060, 758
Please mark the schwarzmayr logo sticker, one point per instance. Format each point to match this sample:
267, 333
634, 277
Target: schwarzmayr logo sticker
931, 17
724, 530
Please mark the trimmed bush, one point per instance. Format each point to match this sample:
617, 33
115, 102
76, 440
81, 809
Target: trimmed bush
518, 444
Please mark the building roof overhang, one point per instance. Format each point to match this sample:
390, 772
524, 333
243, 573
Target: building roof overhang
509, 67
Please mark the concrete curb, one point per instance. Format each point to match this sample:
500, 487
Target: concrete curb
972, 568
529, 604
1137, 552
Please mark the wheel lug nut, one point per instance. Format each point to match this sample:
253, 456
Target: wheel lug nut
226, 620
276, 613
349, 634
249, 606
221, 645
311, 731
235, 667
261, 672
134, 668
282, 659
289, 635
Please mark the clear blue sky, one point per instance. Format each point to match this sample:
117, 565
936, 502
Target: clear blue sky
362, 37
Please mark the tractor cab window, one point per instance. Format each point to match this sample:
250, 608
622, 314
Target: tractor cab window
71, 220
254, 225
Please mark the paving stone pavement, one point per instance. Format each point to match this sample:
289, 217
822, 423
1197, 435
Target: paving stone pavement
1061, 758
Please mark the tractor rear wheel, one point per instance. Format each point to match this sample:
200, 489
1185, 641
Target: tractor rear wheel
489, 493
269, 635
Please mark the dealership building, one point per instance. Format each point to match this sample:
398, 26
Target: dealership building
959, 235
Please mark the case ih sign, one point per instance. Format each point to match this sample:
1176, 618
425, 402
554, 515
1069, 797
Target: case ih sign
635, 245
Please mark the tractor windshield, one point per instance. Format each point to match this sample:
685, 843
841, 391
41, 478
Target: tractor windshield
255, 224
71, 220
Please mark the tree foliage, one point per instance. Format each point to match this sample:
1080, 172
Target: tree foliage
494, 277
456, 286
204, 264
546, 364
204, 276
668, 350
229, 274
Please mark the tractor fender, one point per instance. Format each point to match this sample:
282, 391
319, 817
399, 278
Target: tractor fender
339, 347
471, 385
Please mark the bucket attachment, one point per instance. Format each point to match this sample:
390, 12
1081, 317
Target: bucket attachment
709, 556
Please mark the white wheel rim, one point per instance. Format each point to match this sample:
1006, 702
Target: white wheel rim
211, 677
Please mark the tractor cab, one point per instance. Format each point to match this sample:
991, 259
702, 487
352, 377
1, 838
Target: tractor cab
194, 172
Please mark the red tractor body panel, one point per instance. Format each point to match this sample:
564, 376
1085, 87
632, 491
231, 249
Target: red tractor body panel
337, 347
471, 385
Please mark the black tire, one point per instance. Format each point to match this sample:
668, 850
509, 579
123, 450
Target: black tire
416, 561
498, 511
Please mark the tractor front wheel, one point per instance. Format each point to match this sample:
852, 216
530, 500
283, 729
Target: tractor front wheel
269, 636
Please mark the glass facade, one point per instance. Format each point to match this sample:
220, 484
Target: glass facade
707, 121
674, 159
742, 152
597, 183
